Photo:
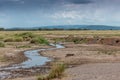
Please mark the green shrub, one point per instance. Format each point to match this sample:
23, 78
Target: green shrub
2, 44
39, 40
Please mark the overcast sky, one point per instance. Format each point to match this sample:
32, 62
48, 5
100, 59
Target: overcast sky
29, 13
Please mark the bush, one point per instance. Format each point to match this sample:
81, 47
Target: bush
9, 39
39, 40
56, 71
2, 44
14, 39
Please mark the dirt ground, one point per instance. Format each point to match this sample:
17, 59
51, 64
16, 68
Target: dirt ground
89, 62
86, 61
85, 53
26, 78
10, 55
97, 71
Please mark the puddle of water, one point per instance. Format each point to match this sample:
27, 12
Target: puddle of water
34, 59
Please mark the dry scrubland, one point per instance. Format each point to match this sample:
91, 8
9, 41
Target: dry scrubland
98, 60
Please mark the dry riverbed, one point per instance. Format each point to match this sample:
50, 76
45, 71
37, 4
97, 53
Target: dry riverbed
89, 61
11, 56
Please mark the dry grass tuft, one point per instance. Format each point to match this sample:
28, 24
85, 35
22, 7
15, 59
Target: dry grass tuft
56, 72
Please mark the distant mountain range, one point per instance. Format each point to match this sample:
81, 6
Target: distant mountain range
70, 27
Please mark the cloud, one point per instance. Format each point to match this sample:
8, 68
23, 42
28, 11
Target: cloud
66, 15
81, 1
61, 11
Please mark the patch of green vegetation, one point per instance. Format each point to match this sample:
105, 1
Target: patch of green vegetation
1, 37
40, 40
18, 39
27, 36
24, 46
13, 39
56, 72
2, 44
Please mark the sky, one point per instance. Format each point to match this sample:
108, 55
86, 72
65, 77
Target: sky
30, 13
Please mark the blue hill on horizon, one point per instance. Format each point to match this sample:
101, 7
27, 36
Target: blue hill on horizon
70, 27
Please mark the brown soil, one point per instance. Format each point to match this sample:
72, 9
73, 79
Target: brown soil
97, 64
106, 41
98, 71
96, 54
94, 57
16, 56
94, 40
11, 55
85, 53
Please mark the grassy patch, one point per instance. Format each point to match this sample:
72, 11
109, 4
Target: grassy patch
13, 39
2, 44
27, 36
39, 40
56, 72
1, 37
24, 46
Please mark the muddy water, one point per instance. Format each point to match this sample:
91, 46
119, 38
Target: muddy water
34, 60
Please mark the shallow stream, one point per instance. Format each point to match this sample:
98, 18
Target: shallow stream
34, 60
